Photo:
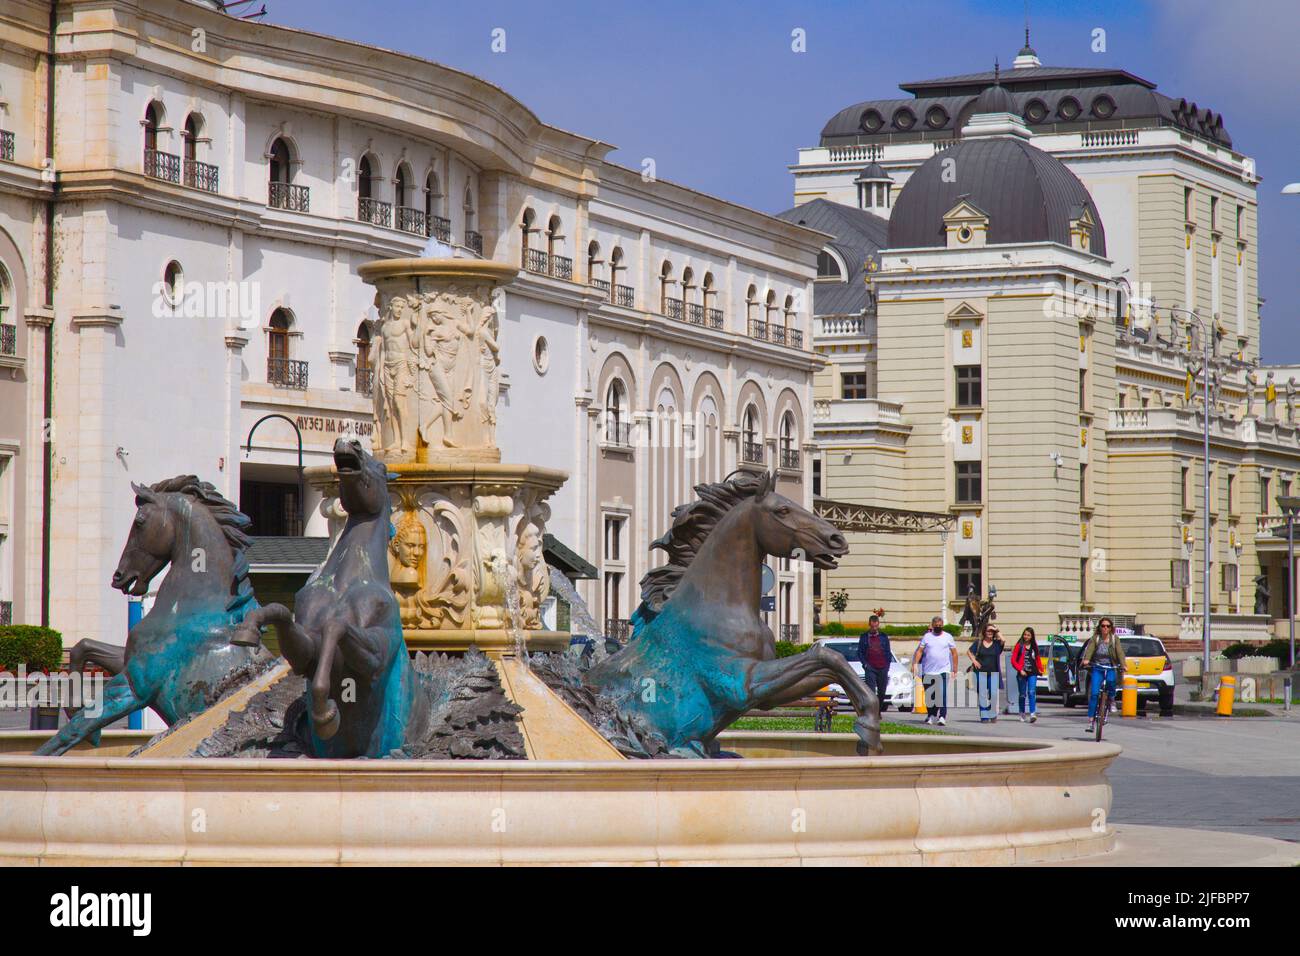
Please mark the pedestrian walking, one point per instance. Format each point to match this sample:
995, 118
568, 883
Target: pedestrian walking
875, 656
1025, 663
985, 655
935, 659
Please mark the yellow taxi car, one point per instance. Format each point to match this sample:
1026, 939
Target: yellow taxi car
1146, 659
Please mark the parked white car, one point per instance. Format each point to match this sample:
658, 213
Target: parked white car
899, 691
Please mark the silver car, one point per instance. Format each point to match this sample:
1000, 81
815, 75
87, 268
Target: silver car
899, 691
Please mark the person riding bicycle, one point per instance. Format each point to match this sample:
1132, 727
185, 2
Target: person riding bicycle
1103, 659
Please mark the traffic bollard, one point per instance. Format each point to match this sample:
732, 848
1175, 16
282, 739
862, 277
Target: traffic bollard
1128, 699
918, 697
1227, 687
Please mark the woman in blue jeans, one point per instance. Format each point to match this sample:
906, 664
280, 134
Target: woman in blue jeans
1103, 656
1024, 661
986, 658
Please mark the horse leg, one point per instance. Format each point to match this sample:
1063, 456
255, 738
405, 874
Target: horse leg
120, 699
788, 678
110, 658
324, 710
364, 649
296, 645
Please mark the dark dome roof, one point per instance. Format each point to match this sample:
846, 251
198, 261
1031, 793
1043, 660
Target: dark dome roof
1029, 196
872, 173
995, 99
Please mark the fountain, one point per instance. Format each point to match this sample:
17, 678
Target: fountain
437, 551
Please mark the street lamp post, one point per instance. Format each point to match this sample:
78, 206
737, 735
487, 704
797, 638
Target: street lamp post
1290, 507
248, 450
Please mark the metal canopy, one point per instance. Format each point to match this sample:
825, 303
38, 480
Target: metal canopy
849, 516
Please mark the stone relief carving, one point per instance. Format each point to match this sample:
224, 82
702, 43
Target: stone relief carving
531, 573
429, 566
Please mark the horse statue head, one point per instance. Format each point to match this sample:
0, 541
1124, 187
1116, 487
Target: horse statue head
169, 529
786, 529
363, 480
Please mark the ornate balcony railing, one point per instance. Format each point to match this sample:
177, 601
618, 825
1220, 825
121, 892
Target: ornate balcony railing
440, 228
620, 629
562, 267
6, 145
8, 339
203, 176
790, 632
374, 211
365, 381
794, 338
603, 286
474, 240
713, 318
537, 260
776, 334
842, 325
790, 458
288, 196
673, 308
618, 433
412, 220
695, 313
164, 166
752, 452
758, 329
625, 296
287, 373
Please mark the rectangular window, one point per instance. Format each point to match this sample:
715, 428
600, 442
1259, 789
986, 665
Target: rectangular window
1265, 502
1241, 222
1185, 486
968, 483
969, 576
1180, 575
970, 386
1230, 578
1083, 389
1083, 580
1187, 203
853, 385
1214, 213
817, 477
1232, 494
1083, 485
613, 596
613, 538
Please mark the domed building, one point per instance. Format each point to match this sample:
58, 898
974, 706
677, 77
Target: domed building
1015, 378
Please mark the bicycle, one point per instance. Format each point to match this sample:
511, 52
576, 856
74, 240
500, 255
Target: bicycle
1104, 698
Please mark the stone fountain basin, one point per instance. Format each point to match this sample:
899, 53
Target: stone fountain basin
799, 798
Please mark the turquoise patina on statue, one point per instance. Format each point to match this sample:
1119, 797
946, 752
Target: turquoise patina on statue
178, 657
700, 654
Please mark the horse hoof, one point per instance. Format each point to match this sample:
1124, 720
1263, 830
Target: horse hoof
246, 636
868, 731
327, 722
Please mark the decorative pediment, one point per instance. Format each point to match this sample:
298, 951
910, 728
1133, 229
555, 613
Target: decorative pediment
965, 312
966, 224
965, 211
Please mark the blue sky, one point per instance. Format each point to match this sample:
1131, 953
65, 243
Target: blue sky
713, 92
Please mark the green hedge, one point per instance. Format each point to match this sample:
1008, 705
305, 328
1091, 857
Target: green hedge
40, 648
1281, 649
790, 648
835, 629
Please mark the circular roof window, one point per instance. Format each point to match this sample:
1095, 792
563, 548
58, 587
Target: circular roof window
872, 121
1069, 108
1035, 111
936, 117
904, 118
1103, 107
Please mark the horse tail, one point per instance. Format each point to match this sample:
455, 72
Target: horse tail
242, 598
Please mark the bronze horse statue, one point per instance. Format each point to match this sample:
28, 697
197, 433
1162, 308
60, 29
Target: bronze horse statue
178, 657
700, 655
345, 632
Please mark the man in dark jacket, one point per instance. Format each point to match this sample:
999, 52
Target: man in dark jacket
875, 655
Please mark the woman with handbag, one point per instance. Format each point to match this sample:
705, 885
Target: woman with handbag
986, 658
1024, 661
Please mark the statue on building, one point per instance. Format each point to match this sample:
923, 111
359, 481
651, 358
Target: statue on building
1262, 594
395, 384
1290, 400
1270, 397
1252, 381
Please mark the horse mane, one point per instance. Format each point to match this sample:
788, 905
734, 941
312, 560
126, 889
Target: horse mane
233, 523
692, 523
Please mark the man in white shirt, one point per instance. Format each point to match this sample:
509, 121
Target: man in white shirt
936, 658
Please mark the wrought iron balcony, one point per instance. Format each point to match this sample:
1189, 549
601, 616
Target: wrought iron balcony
625, 296
673, 308
474, 241
618, 433
164, 166
201, 176
790, 632
537, 260
410, 219
6, 145
602, 285
562, 267
790, 458
758, 329
776, 334
288, 196
752, 452
620, 629
374, 211
695, 313
8, 339
287, 373
440, 228
714, 318
365, 381
794, 338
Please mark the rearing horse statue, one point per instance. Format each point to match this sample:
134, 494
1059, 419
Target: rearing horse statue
700, 654
179, 654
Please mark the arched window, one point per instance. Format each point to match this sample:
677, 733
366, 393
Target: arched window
751, 302
196, 175
534, 260
709, 301
369, 207
788, 311
157, 164
193, 124
789, 441
152, 123
621, 295
174, 284
365, 172
281, 169
435, 224
594, 262
827, 266
472, 238
690, 310
554, 238
277, 336
666, 304
751, 437
280, 368
616, 422
8, 329
400, 185
769, 311
282, 192
365, 375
